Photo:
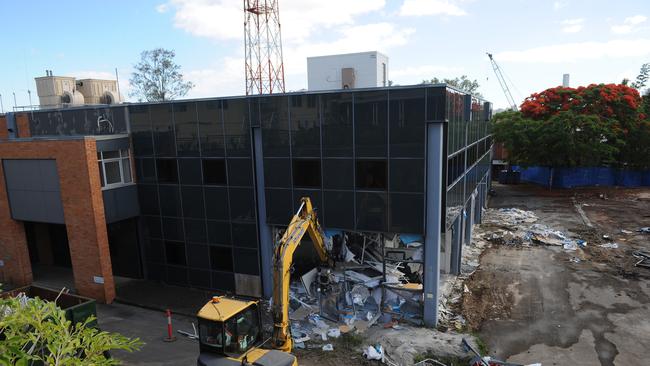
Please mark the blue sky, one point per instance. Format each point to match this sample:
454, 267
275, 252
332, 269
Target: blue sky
535, 42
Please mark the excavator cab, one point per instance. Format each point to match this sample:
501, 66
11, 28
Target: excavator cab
230, 333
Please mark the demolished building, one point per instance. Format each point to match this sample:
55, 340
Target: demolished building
193, 192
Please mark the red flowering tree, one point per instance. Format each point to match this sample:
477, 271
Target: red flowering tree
614, 130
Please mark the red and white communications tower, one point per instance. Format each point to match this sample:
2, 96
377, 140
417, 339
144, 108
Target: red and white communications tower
263, 47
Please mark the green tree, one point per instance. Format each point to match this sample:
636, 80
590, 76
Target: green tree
37, 331
566, 139
642, 79
462, 83
157, 77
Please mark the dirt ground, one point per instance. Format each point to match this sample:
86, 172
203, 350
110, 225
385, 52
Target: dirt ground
545, 304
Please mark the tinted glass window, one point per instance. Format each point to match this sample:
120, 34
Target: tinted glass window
176, 275
407, 175
214, 172
216, 203
141, 134
195, 231
372, 174
372, 209
153, 226
200, 278
338, 173
163, 130
198, 256
407, 127
193, 202
175, 253
190, 171
187, 131
240, 172
242, 204
436, 103
407, 213
246, 261
274, 114
305, 125
306, 173
337, 124
279, 206
371, 123
166, 169
221, 258
223, 281
170, 205
172, 228
277, 173
236, 126
154, 251
148, 196
219, 233
244, 235
210, 128
338, 209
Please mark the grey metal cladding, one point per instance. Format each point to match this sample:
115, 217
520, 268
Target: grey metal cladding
121, 203
33, 190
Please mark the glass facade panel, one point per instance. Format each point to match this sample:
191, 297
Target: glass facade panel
170, 203
246, 261
164, 140
338, 210
372, 174
405, 213
372, 211
242, 204
371, 123
406, 120
277, 173
279, 206
240, 172
190, 171
337, 124
198, 256
274, 114
338, 174
193, 202
236, 127
211, 130
407, 175
187, 129
141, 132
305, 125
216, 203
306, 173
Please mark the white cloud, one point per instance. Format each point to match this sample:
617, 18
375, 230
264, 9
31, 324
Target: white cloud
367, 37
630, 24
572, 25
223, 19
430, 7
162, 8
92, 74
557, 5
224, 78
424, 72
571, 52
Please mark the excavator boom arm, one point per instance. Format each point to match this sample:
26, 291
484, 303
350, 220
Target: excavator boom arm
304, 221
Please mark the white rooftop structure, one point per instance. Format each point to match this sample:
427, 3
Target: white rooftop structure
347, 71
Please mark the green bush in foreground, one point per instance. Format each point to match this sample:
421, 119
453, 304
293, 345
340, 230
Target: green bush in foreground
34, 331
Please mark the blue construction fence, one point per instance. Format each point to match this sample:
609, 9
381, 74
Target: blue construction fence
584, 177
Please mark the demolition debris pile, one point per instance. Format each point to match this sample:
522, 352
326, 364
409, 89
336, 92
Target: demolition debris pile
377, 280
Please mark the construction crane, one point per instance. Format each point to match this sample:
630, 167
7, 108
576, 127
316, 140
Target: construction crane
230, 330
502, 82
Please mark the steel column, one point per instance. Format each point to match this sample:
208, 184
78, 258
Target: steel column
266, 237
435, 158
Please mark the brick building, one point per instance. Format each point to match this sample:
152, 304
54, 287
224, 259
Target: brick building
191, 192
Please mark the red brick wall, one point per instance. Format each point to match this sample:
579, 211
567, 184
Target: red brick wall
83, 209
22, 123
4, 134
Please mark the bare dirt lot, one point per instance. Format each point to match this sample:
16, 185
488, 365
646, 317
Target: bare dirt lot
584, 307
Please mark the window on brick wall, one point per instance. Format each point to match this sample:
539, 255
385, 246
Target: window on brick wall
114, 168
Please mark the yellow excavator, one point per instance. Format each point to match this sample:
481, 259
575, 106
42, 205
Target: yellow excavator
230, 330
